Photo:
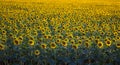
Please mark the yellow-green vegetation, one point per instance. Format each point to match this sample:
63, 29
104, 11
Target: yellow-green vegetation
60, 32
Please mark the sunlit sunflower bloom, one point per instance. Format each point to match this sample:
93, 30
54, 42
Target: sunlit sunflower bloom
87, 44
16, 41
44, 46
77, 37
66, 39
72, 41
114, 40
4, 32
46, 36
64, 43
58, 40
117, 38
31, 38
79, 42
49, 37
11, 35
2, 47
31, 42
115, 33
3, 40
53, 45
100, 44
118, 45
59, 36
37, 52
35, 33
96, 40
20, 38
70, 36
108, 42
74, 46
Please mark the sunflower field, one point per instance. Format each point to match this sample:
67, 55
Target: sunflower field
60, 32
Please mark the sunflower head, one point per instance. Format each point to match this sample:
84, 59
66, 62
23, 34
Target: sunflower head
44, 46
16, 41
53, 45
20, 38
3, 32
80, 42
72, 41
100, 44
37, 52
87, 44
58, 40
74, 46
2, 47
64, 43
31, 42
108, 43
118, 45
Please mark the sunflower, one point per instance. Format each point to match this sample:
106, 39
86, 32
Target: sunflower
97, 40
77, 37
118, 45
35, 33
80, 42
2, 47
31, 38
11, 35
50, 37
64, 43
53, 45
4, 32
108, 42
58, 40
66, 39
20, 38
37, 52
87, 44
31, 42
43, 46
16, 41
115, 33
70, 36
46, 36
100, 44
72, 41
3, 40
74, 46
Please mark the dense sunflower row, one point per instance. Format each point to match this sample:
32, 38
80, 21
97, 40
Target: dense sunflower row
35, 33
